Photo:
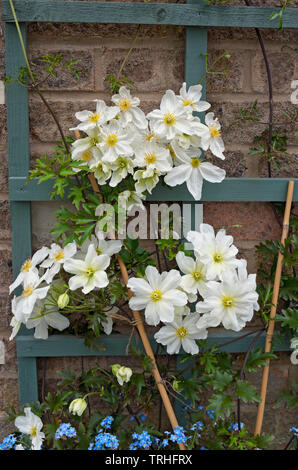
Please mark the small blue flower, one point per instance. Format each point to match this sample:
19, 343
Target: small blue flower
142, 440
143, 417
8, 442
104, 441
179, 435
107, 422
200, 407
65, 431
294, 430
203, 448
234, 426
210, 413
198, 426
165, 443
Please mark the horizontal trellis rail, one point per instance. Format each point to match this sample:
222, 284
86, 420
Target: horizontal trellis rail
196, 15
230, 189
147, 13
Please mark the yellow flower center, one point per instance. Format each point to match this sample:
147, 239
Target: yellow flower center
217, 257
111, 140
90, 271
99, 252
27, 265
59, 255
125, 104
150, 158
197, 275
172, 153
94, 117
181, 332
156, 295
86, 156
28, 291
188, 103
94, 141
228, 302
195, 162
33, 431
150, 136
169, 119
214, 132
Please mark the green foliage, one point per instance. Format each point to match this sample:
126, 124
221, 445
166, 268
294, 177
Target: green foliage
135, 257
280, 14
289, 396
116, 82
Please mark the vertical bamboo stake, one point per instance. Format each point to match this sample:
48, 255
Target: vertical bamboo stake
270, 331
140, 326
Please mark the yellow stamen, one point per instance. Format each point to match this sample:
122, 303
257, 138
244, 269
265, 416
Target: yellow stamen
90, 271
169, 119
94, 117
214, 132
33, 431
197, 275
111, 140
86, 156
228, 302
150, 136
156, 295
59, 255
195, 162
181, 332
217, 257
150, 158
27, 265
28, 291
188, 103
125, 104
172, 153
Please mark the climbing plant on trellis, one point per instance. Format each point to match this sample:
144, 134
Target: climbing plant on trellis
196, 16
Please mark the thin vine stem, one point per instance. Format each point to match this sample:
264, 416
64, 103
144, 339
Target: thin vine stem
270, 93
130, 51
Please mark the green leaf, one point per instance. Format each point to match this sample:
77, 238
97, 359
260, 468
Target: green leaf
221, 403
246, 391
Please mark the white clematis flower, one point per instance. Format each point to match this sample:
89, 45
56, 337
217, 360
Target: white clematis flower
146, 179
216, 252
182, 332
29, 267
41, 318
153, 155
213, 139
158, 295
171, 119
192, 98
115, 142
31, 424
89, 273
15, 324
90, 120
86, 149
121, 167
192, 170
129, 111
102, 246
57, 257
102, 172
195, 274
24, 304
231, 302
129, 199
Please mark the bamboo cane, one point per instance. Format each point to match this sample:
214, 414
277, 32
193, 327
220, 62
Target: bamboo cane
140, 326
270, 331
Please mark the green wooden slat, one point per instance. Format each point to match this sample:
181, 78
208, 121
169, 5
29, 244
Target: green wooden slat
115, 345
146, 13
231, 189
28, 384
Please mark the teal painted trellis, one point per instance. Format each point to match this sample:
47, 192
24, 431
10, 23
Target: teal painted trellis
196, 16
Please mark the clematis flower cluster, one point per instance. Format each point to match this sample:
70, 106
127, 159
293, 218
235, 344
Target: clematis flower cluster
227, 292
120, 142
46, 278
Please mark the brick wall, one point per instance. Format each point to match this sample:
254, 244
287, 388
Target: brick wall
156, 64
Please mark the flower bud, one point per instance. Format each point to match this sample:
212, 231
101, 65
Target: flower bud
177, 385
63, 300
122, 373
78, 406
